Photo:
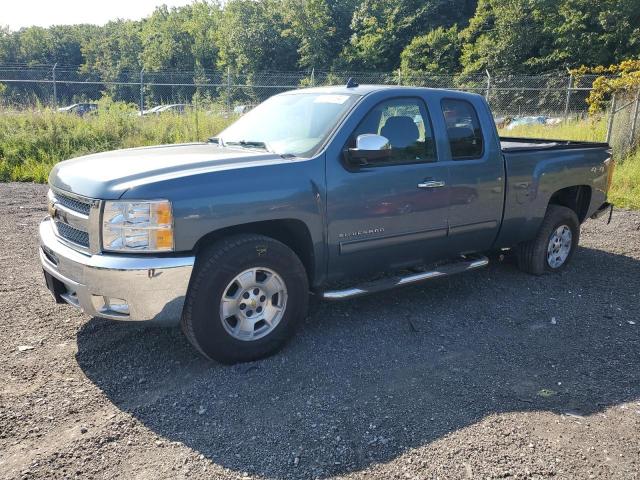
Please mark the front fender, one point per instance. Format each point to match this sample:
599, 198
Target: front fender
210, 201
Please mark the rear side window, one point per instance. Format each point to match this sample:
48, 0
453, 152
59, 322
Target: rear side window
463, 129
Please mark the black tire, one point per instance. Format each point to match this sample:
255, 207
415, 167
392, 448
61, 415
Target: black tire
215, 268
532, 255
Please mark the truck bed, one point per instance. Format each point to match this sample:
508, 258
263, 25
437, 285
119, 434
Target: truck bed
519, 144
536, 168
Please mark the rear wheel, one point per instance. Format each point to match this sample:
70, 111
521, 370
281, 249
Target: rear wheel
246, 297
554, 245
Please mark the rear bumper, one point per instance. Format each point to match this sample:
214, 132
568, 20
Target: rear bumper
117, 287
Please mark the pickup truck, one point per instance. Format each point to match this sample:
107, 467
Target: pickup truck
334, 191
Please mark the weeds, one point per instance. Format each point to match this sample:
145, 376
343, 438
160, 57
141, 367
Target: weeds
32, 142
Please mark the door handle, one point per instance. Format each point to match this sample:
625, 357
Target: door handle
431, 184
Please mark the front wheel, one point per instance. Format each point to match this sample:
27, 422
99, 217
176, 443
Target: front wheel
554, 245
246, 297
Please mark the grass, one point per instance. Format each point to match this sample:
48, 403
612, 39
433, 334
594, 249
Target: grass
32, 142
625, 189
591, 130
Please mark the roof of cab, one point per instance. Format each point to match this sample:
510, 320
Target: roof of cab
367, 89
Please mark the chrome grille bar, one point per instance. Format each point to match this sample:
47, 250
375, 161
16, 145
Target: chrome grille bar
72, 234
73, 204
76, 220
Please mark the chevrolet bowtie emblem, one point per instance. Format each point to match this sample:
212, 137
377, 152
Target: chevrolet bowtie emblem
52, 209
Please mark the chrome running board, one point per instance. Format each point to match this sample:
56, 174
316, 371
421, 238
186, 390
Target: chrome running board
464, 264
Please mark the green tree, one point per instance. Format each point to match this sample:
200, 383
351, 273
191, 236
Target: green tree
503, 35
8, 45
114, 52
310, 23
533, 36
590, 32
250, 37
166, 42
382, 28
202, 25
116, 48
437, 52
61, 44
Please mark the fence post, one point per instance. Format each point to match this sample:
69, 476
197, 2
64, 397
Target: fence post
55, 90
313, 77
229, 88
399, 77
612, 113
635, 120
569, 88
486, 94
142, 92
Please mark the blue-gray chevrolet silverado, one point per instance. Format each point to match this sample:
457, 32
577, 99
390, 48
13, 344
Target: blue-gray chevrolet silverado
337, 191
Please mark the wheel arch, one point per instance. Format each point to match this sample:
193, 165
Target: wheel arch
292, 232
577, 198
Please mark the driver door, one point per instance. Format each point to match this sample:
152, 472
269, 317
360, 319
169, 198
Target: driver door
391, 213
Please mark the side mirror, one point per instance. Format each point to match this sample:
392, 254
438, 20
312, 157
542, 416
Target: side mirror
370, 148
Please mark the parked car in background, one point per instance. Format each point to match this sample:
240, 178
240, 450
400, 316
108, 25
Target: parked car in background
531, 120
177, 108
150, 111
79, 108
313, 190
242, 109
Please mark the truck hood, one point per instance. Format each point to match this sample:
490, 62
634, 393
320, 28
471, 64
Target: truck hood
108, 175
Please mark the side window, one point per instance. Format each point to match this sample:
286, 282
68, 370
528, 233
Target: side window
405, 123
463, 129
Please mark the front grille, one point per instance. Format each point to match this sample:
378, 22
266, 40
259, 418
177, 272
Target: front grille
73, 234
73, 203
72, 216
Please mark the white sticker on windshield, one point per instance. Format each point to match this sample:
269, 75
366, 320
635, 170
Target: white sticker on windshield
339, 99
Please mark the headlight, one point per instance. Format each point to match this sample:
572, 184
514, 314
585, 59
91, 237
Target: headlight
137, 226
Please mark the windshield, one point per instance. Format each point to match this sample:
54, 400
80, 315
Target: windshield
293, 124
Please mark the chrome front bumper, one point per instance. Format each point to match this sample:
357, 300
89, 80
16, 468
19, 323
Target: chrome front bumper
118, 287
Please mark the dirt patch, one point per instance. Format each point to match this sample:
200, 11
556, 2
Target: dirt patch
490, 374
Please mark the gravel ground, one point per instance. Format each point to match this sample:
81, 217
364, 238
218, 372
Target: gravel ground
493, 374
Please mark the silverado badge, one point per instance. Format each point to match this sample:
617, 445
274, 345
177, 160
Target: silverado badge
359, 233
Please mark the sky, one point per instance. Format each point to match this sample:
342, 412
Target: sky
24, 13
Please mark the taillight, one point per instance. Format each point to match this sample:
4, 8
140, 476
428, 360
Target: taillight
609, 164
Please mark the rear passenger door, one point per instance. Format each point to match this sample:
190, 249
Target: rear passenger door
476, 172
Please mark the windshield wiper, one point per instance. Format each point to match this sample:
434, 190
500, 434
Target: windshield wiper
249, 144
216, 140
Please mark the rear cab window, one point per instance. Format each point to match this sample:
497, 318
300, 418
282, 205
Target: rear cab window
463, 129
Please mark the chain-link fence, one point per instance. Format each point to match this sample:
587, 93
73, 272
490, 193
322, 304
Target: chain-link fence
623, 124
549, 98
553, 95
